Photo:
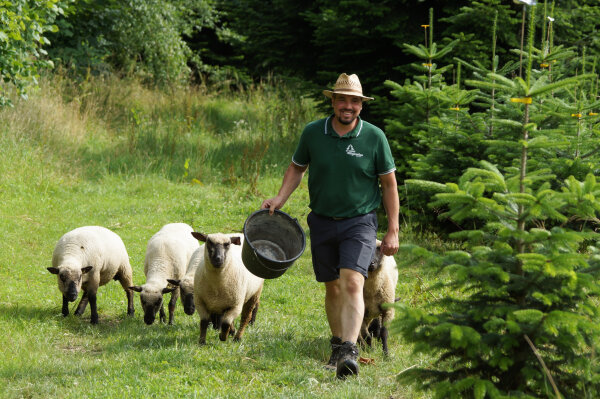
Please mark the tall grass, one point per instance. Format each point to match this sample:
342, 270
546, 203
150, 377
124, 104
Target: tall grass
110, 152
110, 125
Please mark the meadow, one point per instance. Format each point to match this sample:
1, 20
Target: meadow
110, 152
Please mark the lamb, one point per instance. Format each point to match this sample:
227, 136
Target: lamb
167, 256
86, 258
186, 285
379, 289
224, 288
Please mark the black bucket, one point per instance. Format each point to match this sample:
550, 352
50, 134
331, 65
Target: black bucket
272, 243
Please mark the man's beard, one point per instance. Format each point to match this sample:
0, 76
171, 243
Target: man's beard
343, 122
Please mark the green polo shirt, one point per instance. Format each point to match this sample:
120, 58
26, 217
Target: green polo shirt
343, 171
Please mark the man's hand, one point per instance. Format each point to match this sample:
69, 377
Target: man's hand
389, 244
272, 204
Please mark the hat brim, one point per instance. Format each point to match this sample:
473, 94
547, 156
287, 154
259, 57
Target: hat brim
329, 94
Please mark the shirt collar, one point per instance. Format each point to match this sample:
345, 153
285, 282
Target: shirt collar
353, 133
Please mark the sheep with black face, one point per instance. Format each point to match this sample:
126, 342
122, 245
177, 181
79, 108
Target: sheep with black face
85, 259
379, 289
223, 287
186, 285
167, 256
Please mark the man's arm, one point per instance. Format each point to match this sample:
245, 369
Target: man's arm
391, 203
291, 180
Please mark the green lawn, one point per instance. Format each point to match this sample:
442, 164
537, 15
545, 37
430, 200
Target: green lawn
49, 186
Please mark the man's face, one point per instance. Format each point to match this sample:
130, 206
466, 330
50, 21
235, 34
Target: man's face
346, 108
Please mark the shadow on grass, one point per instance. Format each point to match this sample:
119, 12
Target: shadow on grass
117, 333
9, 312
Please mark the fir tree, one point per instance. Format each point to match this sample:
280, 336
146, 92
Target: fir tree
521, 319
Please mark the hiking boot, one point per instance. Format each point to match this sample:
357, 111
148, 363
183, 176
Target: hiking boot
347, 363
336, 344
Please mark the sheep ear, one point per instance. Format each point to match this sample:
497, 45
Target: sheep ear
86, 269
236, 240
167, 290
136, 288
199, 236
174, 282
53, 270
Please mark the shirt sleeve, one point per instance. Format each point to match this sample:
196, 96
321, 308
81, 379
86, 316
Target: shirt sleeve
385, 161
301, 156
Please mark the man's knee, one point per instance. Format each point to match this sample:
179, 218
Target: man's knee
351, 282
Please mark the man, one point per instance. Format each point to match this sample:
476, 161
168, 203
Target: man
348, 158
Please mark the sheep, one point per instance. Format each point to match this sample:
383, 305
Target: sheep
167, 256
86, 258
186, 285
379, 289
224, 288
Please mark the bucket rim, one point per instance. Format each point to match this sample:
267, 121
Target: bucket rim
275, 261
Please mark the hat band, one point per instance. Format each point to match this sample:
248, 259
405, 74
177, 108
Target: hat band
348, 90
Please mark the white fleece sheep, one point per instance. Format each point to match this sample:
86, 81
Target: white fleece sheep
86, 258
167, 256
379, 289
224, 288
186, 285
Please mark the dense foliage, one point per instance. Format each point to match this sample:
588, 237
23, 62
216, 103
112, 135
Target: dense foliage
520, 307
235, 42
25, 25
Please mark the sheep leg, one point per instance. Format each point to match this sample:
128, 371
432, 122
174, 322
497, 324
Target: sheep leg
162, 313
225, 327
130, 308
65, 306
82, 304
216, 319
247, 312
254, 311
384, 338
92, 299
172, 303
386, 317
126, 282
203, 327
375, 326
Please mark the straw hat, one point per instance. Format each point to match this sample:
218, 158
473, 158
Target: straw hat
349, 85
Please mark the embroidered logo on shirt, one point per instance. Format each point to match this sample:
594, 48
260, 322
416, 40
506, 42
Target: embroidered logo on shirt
350, 151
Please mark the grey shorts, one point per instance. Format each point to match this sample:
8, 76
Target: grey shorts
346, 243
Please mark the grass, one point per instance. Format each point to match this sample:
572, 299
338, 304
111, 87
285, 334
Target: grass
111, 153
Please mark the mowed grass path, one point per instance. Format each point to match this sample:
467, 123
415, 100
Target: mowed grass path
43, 195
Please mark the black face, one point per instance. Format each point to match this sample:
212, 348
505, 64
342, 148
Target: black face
151, 307
188, 303
376, 261
217, 252
70, 286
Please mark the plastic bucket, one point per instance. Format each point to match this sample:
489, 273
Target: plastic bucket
272, 243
